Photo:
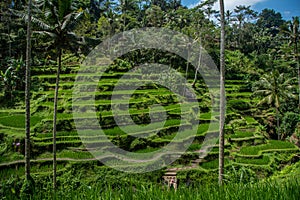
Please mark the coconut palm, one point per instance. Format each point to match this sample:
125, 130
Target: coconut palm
127, 8
228, 17
274, 88
293, 33
243, 14
61, 21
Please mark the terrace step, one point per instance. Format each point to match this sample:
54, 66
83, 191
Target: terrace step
78, 149
197, 161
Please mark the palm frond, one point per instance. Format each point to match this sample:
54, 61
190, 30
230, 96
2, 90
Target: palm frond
51, 34
261, 92
66, 22
41, 24
76, 17
34, 20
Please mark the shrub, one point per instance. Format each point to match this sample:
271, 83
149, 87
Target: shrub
289, 123
121, 65
239, 105
232, 116
137, 144
237, 123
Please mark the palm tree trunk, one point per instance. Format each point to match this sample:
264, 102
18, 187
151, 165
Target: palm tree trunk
222, 94
187, 68
298, 83
55, 117
198, 66
27, 95
277, 122
124, 18
298, 68
9, 35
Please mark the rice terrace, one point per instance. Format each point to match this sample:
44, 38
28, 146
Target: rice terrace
150, 99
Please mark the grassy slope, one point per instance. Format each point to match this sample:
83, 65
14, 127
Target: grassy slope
245, 144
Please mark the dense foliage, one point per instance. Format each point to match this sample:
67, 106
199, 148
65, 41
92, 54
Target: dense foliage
262, 89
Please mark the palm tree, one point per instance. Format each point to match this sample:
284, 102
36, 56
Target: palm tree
243, 14
295, 37
222, 93
126, 7
228, 17
293, 32
274, 88
59, 27
27, 94
209, 11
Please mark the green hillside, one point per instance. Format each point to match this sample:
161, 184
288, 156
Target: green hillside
125, 100
247, 148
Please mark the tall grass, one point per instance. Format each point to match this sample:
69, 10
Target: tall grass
268, 190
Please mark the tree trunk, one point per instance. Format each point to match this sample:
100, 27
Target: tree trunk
222, 94
298, 68
187, 68
9, 35
55, 117
198, 66
298, 83
277, 122
187, 63
27, 95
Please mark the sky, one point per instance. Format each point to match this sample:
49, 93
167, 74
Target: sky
287, 8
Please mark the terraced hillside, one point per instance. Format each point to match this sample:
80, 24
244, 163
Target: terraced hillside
245, 143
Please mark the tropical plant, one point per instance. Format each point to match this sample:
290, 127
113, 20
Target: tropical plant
274, 88
127, 8
12, 78
61, 20
289, 124
270, 20
292, 31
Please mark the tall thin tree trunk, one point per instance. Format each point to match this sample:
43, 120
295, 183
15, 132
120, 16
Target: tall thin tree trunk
187, 62
298, 68
124, 13
187, 68
298, 82
222, 94
198, 66
9, 39
55, 117
27, 95
277, 123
